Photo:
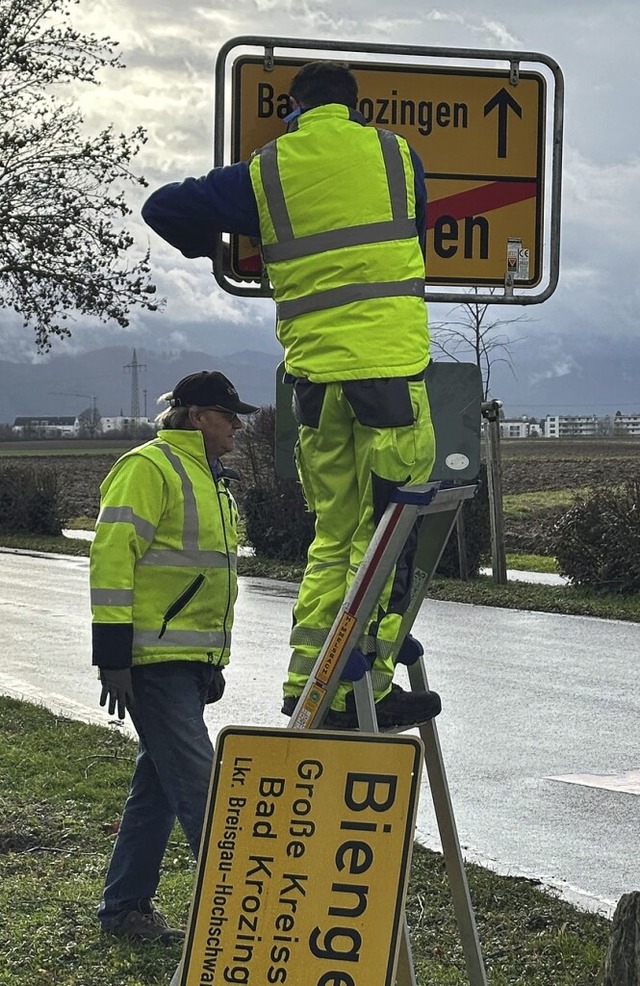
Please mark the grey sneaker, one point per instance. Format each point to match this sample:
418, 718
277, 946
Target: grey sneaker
146, 924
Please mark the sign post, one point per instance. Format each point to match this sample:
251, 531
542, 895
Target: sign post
481, 133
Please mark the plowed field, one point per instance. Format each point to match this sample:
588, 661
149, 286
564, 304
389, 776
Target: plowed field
527, 466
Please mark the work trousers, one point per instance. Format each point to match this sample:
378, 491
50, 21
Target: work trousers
170, 780
357, 442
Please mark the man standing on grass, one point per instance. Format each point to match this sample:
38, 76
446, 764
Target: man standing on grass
163, 589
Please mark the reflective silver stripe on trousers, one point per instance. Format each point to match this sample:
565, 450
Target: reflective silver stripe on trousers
302, 636
305, 665
347, 294
384, 647
181, 638
111, 597
193, 557
125, 515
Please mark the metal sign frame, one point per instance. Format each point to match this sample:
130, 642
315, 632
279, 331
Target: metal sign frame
441, 57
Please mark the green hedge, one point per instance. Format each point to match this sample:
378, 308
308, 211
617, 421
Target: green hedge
29, 498
277, 523
597, 541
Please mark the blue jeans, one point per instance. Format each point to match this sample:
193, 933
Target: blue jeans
170, 780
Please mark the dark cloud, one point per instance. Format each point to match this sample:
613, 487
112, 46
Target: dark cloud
170, 52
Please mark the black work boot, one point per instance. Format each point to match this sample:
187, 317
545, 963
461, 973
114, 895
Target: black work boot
400, 708
397, 709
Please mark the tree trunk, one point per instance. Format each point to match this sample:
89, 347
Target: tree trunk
622, 964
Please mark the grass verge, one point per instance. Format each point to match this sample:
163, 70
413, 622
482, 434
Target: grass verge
519, 506
64, 784
532, 563
49, 543
569, 600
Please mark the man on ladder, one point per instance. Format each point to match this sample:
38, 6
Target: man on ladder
339, 209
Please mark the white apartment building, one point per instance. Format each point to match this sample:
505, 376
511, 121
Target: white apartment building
627, 424
120, 423
590, 425
519, 428
73, 426
570, 425
47, 426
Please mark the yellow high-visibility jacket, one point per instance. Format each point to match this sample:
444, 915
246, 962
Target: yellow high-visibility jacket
336, 204
163, 562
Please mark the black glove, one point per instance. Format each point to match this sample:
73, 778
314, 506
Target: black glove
117, 688
216, 688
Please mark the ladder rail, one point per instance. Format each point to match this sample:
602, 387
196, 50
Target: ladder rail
408, 503
443, 506
428, 556
451, 850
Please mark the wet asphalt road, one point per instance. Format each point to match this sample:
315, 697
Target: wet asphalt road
527, 697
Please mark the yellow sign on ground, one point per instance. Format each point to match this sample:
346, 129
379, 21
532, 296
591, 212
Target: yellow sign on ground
305, 859
480, 138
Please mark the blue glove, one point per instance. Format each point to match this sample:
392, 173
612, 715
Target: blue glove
410, 650
357, 665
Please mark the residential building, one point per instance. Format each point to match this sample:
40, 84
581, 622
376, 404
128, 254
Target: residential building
519, 428
570, 425
47, 426
120, 423
626, 424
75, 426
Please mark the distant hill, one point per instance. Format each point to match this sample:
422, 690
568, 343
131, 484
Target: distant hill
66, 384
553, 375
571, 375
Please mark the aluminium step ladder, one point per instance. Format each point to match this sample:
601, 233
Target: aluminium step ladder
438, 507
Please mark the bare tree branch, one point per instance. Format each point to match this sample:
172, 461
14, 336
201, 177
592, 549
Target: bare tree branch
63, 243
473, 334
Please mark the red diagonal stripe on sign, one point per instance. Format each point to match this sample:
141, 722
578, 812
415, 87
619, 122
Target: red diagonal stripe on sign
477, 201
474, 202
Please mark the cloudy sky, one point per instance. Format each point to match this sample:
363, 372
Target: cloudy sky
170, 50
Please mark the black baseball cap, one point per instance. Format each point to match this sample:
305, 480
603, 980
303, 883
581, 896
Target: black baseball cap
209, 389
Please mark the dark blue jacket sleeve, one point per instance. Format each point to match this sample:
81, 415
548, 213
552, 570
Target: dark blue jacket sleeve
189, 214
421, 200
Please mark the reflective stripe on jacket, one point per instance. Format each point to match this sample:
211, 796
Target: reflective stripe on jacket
163, 562
336, 203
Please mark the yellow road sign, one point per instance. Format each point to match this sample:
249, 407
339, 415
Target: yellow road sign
481, 141
305, 859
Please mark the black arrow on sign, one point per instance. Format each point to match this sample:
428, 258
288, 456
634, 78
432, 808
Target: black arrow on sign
503, 100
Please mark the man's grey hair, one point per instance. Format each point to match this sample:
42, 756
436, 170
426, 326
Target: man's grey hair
173, 418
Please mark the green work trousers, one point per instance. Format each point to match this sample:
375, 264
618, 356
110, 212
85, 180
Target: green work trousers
357, 442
